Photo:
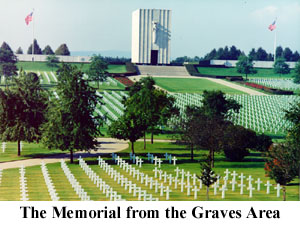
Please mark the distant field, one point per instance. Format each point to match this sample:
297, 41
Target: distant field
232, 72
189, 85
41, 66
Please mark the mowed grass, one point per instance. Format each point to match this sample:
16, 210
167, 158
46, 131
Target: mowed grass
42, 66
29, 150
37, 190
193, 85
263, 73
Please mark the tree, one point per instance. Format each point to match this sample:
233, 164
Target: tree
297, 73
287, 54
71, 125
279, 51
252, 54
296, 57
281, 67
237, 141
98, 69
128, 127
245, 66
261, 54
52, 61
234, 53
48, 51
282, 164
208, 176
22, 110
19, 51
8, 62
62, 50
37, 50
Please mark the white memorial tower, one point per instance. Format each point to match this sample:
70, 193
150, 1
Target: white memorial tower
151, 33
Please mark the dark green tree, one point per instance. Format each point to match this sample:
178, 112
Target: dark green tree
237, 142
261, 54
207, 176
8, 62
245, 66
281, 67
48, 50
37, 50
98, 69
62, 50
52, 61
296, 56
252, 54
279, 51
297, 73
71, 125
282, 164
19, 51
287, 54
128, 127
22, 110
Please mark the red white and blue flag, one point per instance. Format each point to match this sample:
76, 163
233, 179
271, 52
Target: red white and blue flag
28, 18
272, 26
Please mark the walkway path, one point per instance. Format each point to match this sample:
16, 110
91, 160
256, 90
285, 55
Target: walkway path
235, 86
108, 145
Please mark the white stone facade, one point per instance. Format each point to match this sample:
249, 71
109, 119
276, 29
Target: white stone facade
151, 35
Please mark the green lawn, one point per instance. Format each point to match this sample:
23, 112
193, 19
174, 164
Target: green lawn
42, 66
263, 73
37, 190
191, 85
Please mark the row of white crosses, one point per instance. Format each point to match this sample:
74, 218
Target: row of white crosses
108, 101
49, 183
0, 175
75, 184
101, 184
53, 75
286, 84
241, 185
3, 147
47, 77
115, 99
23, 184
260, 113
125, 182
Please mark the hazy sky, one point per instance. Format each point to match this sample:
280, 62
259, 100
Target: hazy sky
197, 25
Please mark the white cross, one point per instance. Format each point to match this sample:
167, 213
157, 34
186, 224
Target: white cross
242, 185
146, 179
170, 177
182, 174
177, 170
160, 174
161, 189
200, 183
223, 189
140, 161
215, 186
175, 182
242, 177
159, 162
182, 183
258, 182
165, 176
148, 155
250, 179
142, 177
268, 186
156, 186
155, 172
194, 177
251, 189
151, 182
227, 173
188, 188
188, 175
167, 192
234, 174
195, 190
174, 159
155, 160
278, 188
233, 182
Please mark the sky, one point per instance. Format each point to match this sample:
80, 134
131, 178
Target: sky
198, 26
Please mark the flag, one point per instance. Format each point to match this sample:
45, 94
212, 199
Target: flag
28, 18
272, 26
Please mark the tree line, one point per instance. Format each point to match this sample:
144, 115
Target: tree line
61, 50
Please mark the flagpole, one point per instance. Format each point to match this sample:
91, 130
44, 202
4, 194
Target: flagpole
33, 36
275, 39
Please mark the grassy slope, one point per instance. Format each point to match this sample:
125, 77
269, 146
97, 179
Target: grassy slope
266, 73
252, 165
192, 85
41, 66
